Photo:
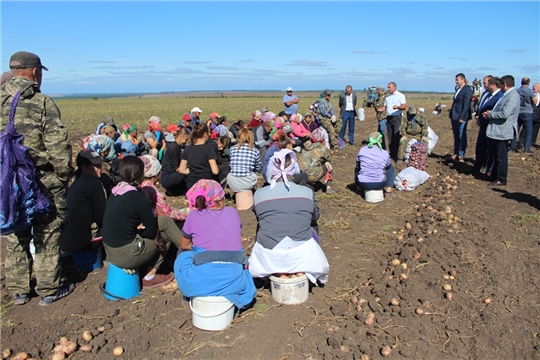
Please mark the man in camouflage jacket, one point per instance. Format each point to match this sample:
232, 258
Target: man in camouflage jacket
413, 126
381, 114
37, 118
327, 117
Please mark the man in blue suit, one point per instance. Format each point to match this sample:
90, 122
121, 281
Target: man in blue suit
460, 114
502, 127
489, 98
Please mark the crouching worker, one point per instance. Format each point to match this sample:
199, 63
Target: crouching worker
132, 235
86, 205
286, 240
213, 261
413, 126
374, 170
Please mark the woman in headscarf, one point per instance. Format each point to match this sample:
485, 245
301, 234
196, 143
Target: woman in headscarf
154, 141
171, 178
374, 170
152, 174
128, 143
133, 236
104, 146
287, 214
213, 261
281, 142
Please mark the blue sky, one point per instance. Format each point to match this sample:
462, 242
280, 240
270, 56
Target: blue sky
138, 46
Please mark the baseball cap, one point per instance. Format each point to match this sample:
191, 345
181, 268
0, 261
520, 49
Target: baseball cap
289, 88
154, 119
214, 115
412, 109
186, 117
196, 109
327, 92
263, 110
172, 128
380, 87
92, 156
25, 60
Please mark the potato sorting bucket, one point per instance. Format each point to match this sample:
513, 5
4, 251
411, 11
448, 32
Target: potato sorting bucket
289, 291
374, 196
213, 313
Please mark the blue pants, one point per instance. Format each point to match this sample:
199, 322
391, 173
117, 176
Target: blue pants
525, 123
382, 129
348, 117
460, 137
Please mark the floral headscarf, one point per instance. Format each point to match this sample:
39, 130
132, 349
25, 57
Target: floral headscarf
268, 116
279, 170
317, 135
154, 119
375, 138
211, 191
102, 143
152, 167
128, 129
222, 130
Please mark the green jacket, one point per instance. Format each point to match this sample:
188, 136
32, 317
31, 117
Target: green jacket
418, 127
311, 160
38, 119
379, 101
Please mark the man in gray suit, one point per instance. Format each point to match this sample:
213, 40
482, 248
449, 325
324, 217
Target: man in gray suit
501, 128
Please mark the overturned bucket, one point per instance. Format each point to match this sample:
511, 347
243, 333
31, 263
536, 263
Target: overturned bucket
211, 313
289, 291
374, 196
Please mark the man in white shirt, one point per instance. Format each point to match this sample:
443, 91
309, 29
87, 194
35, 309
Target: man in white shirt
393, 104
347, 113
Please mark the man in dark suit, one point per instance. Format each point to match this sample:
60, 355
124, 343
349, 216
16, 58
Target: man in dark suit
501, 128
347, 112
487, 102
460, 114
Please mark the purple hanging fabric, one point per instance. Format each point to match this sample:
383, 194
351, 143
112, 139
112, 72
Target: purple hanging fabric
23, 197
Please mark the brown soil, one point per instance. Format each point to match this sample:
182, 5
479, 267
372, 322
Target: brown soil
482, 241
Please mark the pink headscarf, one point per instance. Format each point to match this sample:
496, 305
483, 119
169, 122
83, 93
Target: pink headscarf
279, 170
211, 191
268, 116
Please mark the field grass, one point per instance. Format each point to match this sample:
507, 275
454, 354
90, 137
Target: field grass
82, 115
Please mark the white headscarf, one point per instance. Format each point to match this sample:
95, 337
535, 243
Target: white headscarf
278, 167
152, 167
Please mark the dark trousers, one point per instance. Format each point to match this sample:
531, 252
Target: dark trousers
536, 124
481, 155
175, 183
348, 118
499, 150
392, 132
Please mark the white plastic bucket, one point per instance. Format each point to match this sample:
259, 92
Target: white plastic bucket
289, 291
211, 313
244, 200
361, 114
374, 196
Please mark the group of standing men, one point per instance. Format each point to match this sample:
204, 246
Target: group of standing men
502, 111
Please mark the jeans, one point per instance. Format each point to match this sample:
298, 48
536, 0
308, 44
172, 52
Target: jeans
348, 117
525, 123
460, 137
382, 129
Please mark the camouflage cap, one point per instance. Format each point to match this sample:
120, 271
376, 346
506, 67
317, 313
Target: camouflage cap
412, 109
25, 60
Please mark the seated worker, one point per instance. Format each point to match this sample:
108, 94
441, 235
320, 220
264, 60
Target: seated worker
245, 161
152, 174
171, 179
287, 214
86, 205
213, 261
283, 142
374, 170
132, 235
128, 142
438, 108
413, 126
104, 146
199, 159
313, 161
154, 141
